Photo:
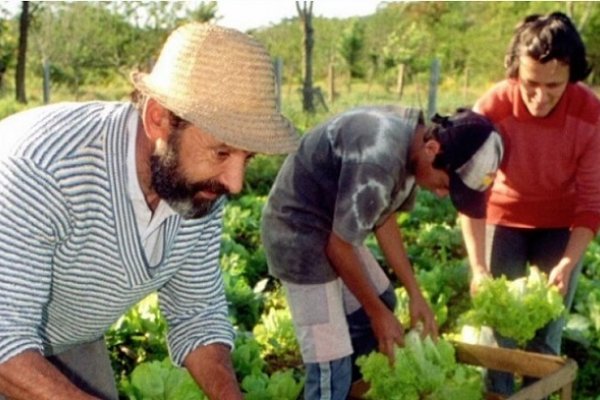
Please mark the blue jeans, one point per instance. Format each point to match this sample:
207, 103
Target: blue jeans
332, 380
510, 250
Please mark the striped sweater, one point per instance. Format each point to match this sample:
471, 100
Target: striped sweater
71, 261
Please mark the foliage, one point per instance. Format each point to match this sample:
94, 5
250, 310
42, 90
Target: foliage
241, 245
247, 358
516, 309
103, 43
423, 369
444, 287
8, 42
583, 324
588, 361
242, 220
257, 381
281, 385
245, 304
92, 46
275, 332
351, 46
137, 337
260, 174
161, 380
10, 106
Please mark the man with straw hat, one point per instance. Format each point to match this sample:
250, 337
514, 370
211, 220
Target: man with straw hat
102, 204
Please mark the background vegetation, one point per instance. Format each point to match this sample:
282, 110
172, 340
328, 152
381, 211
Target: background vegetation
85, 50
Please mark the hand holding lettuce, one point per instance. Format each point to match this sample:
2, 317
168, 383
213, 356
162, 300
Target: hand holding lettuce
516, 309
423, 369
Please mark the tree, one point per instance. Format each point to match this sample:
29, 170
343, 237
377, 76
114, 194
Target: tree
351, 48
308, 41
204, 12
22, 54
7, 45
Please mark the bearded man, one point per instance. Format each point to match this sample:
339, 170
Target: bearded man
102, 203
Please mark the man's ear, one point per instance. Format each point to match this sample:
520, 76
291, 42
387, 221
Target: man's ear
432, 148
156, 121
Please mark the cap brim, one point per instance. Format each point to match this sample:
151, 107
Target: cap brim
467, 201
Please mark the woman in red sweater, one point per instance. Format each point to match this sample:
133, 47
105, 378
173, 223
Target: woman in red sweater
544, 208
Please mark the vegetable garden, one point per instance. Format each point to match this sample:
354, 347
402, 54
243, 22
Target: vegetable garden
468, 37
266, 358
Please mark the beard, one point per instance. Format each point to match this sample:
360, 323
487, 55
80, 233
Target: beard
174, 188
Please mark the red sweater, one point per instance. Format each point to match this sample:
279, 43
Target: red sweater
550, 174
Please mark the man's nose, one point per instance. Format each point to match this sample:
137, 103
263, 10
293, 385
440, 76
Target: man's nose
233, 175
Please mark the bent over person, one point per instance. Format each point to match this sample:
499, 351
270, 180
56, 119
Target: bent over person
102, 203
348, 179
544, 207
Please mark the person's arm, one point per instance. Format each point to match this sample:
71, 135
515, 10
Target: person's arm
473, 231
578, 241
31, 228
586, 218
345, 259
211, 368
193, 302
390, 240
29, 375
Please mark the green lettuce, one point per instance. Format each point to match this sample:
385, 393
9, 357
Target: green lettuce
516, 309
423, 370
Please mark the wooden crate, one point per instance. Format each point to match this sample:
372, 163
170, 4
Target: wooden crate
556, 374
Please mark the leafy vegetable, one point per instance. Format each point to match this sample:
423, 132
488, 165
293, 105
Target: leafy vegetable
161, 380
281, 385
516, 309
275, 333
423, 370
246, 356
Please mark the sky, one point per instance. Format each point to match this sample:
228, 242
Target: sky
248, 14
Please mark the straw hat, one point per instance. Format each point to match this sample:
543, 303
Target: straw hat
222, 81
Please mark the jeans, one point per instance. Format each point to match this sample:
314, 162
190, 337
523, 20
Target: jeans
363, 339
510, 250
88, 367
332, 380
328, 380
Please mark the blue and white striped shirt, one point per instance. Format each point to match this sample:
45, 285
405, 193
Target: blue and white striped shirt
71, 260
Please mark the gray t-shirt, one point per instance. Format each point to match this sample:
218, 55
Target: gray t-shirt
348, 175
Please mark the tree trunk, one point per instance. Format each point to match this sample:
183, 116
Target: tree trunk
22, 55
308, 41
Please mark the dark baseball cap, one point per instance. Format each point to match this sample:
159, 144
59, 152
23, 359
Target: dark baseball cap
471, 153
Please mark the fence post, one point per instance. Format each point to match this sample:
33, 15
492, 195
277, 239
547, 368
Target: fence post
331, 86
400, 81
466, 87
434, 80
46, 81
278, 67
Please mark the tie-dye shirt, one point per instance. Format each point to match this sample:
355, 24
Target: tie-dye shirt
347, 176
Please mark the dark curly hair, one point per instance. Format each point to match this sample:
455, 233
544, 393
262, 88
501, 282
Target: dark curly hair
545, 38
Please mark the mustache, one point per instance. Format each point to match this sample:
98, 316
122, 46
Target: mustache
209, 185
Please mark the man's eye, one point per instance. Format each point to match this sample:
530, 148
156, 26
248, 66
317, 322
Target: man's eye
221, 154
